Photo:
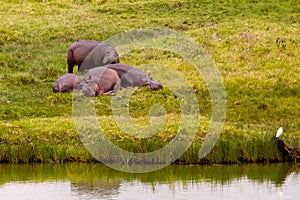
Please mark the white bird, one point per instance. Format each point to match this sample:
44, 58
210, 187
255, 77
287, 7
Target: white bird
279, 132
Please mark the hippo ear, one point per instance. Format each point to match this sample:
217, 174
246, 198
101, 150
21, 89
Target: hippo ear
150, 76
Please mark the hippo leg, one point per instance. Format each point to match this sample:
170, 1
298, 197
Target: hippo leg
70, 68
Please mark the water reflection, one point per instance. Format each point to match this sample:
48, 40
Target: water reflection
95, 181
105, 189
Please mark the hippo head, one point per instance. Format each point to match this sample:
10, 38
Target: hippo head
150, 83
108, 54
89, 87
111, 57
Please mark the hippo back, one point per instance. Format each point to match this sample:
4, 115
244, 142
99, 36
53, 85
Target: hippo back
100, 80
88, 54
103, 54
131, 76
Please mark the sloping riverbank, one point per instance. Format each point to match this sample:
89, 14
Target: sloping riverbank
55, 140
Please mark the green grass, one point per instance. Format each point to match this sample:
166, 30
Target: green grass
46, 140
254, 44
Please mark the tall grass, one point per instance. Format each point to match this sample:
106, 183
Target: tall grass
47, 141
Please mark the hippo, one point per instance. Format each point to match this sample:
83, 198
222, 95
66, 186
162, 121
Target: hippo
66, 83
132, 77
100, 81
87, 54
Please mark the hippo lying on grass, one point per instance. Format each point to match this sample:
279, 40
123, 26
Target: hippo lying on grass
88, 54
100, 81
66, 83
132, 77
107, 80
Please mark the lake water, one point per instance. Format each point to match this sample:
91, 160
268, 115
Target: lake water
95, 181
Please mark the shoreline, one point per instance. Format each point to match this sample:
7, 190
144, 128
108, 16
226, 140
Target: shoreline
43, 141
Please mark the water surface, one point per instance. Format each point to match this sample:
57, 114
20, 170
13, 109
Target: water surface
95, 181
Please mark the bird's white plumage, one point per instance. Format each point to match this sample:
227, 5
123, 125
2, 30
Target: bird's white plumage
279, 132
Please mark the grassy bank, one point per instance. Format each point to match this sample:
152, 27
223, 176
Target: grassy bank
255, 46
44, 140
